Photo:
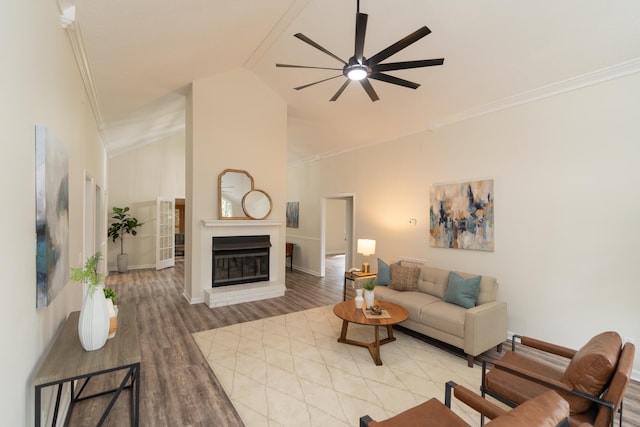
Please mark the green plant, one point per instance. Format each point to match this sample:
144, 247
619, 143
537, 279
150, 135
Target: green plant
123, 224
110, 293
369, 285
89, 274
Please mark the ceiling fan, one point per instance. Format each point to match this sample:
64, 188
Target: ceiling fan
362, 69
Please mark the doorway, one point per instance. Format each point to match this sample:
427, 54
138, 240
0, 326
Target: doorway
338, 228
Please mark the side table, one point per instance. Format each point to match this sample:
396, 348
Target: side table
353, 276
67, 361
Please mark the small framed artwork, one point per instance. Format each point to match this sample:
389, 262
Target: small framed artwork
462, 215
292, 214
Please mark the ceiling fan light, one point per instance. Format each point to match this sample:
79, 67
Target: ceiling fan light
357, 73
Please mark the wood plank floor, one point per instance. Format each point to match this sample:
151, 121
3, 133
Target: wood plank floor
178, 387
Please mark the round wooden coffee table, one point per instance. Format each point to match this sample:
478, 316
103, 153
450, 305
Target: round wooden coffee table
348, 312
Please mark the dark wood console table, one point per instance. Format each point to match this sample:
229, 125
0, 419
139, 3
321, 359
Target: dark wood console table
67, 361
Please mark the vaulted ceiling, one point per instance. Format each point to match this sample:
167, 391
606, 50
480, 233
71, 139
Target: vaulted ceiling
141, 55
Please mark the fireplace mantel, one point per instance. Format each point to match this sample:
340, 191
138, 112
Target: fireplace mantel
234, 294
240, 223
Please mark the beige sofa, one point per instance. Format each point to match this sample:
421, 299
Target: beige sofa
474, 330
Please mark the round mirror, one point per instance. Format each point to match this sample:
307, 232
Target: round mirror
256, 204
233, 185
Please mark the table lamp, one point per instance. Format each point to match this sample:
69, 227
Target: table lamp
366, 247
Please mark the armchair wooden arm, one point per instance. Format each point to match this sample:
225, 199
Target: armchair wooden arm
472, 400
543, 346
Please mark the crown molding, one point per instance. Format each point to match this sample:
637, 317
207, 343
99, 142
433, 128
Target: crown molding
74, 33
276, 31
558, 88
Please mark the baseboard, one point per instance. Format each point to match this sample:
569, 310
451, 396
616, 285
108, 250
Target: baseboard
114, 269
192, 300
304, 270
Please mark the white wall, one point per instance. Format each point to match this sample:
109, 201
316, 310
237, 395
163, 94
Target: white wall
136, 179
40, 84
566, 173
234, 121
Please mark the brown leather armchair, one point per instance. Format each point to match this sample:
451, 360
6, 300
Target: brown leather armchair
548, 409
593, 382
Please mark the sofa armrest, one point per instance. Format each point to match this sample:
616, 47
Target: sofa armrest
485, 326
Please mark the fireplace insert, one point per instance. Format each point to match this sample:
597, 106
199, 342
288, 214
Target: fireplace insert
240, 259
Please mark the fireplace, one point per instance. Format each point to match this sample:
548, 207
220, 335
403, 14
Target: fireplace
245, 292
240, 259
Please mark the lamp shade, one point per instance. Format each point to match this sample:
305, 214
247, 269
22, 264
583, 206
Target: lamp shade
366, 247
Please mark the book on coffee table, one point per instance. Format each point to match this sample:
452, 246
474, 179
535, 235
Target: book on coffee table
371, 315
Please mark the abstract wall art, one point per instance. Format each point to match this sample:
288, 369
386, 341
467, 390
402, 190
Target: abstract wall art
292, 214
462, 215
52, 217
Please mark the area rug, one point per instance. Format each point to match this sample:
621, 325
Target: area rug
290, 370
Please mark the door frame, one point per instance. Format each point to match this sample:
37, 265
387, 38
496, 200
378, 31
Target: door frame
350, 226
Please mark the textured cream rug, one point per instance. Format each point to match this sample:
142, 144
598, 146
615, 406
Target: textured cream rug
290, 370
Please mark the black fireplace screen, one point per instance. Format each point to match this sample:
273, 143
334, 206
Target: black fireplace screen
240, 259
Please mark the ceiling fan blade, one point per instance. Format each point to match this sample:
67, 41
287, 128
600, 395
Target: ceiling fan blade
317, 46
315, 83
393, 80
361, 31
366, 84
408, 64
339, 92
306, 66
399, 45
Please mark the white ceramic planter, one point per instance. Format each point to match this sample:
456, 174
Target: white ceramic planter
359, 300
369, 297
93, 324
123, 263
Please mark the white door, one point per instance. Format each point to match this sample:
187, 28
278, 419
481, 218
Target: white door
165, 237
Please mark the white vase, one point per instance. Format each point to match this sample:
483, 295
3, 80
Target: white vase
358, 299
93, 324
368, 298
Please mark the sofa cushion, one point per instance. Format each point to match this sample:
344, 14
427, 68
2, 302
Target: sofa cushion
433, 281
404, 278
412, 301
461, 291
383, 276
445, 317
591, 368
488, 287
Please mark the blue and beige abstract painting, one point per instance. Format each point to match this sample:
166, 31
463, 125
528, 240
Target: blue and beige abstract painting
52, 217
461, 215
292, 214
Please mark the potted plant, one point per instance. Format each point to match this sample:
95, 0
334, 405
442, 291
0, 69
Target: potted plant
123, 224
111, 295
93, 323
369, 295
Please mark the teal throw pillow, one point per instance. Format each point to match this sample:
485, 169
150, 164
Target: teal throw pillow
461, 291
383, 276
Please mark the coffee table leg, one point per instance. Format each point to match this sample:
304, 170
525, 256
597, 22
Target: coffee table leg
343, 334
374, 347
